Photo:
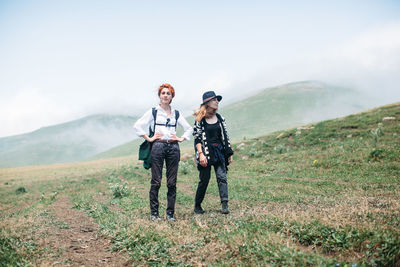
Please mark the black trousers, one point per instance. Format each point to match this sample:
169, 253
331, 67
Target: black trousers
169, 152
205, 174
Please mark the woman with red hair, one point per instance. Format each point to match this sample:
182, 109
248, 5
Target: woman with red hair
163, 120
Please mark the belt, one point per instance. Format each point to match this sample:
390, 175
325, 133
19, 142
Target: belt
165, 141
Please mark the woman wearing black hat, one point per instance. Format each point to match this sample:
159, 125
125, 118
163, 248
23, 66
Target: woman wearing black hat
212, 148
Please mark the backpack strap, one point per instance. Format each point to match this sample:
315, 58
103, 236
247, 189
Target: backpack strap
176, 118
162, 124
154, 112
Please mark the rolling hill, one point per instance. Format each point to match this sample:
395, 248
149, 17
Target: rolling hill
274, 109
67, 142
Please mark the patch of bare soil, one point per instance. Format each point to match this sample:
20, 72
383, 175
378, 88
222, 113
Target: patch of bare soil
78, 243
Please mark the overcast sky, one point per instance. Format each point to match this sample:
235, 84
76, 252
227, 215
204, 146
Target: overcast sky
62, 60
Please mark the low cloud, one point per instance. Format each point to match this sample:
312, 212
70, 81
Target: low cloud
27, 110
369, 63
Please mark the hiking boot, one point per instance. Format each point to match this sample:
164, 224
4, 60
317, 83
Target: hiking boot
155, 217
225, 209
171, 218
198, 209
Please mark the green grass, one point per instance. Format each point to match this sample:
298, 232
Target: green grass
325, 194
14, 251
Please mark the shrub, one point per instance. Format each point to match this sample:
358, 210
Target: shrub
20, 190
120, 190
185, 167
376, 133
377, 153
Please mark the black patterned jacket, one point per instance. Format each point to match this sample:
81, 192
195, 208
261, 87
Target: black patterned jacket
200, 137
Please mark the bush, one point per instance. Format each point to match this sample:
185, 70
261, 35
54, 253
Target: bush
185, 167
20, 190
120, 190
377, 153
376, 133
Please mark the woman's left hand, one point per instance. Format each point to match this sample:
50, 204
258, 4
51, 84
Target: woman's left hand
175, 138
230, 159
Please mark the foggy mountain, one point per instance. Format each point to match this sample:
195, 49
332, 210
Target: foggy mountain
67, 142
292, 104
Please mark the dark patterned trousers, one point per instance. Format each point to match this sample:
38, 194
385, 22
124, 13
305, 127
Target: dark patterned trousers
169, 152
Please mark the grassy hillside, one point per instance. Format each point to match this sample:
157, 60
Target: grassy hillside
274, 109
288, 105
127, 149
67, 142
325, 194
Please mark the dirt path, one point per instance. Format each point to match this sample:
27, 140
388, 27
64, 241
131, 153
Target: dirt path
78, 243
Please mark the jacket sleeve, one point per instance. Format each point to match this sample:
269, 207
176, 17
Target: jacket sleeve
197, 132
228, 148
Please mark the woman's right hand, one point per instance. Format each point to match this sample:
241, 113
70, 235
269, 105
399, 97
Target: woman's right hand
203, 160
155, 137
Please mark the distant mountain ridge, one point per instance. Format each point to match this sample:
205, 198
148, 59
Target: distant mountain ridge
288, 105
273, 109
67, 142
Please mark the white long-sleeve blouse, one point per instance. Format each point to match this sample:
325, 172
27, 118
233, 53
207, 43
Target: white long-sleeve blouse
141, 126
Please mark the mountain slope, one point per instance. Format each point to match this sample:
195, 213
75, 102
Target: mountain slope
288, 105
67, 142
274, 109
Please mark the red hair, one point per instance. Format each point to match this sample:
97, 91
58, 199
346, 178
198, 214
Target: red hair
170, 88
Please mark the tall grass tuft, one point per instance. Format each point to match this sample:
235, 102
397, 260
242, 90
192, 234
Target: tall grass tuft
120, 190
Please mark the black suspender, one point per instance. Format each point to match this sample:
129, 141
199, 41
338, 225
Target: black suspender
154, 111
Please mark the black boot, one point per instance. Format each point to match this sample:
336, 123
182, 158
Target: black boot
198, 209
225, 209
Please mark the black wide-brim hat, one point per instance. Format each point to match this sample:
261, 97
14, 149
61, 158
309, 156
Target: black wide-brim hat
210, 95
